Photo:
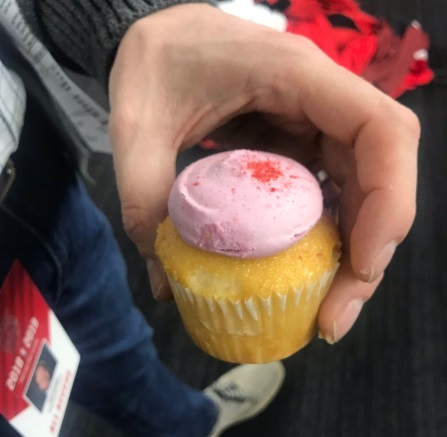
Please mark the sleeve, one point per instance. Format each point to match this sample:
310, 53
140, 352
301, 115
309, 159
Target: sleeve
88, 32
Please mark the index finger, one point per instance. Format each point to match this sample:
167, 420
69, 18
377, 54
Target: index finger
385, 136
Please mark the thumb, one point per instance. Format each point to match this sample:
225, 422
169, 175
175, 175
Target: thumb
145, 172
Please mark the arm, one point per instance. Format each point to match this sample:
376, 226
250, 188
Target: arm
193, 71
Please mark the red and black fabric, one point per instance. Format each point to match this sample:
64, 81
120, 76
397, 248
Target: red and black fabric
367, 46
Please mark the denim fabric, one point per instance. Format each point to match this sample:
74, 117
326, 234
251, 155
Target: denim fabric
67, 246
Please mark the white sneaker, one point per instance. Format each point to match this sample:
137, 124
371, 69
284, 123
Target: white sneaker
244, 392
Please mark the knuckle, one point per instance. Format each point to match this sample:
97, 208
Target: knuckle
123, 121
410, 119
131, 221
407, 219
134, 223
411, 215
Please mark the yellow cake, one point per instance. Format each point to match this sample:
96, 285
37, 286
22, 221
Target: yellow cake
251, 310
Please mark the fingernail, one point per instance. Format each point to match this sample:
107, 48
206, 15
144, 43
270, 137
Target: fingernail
370, 274
326, 338
157, 277
344, 322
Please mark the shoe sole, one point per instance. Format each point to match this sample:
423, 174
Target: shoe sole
261, 407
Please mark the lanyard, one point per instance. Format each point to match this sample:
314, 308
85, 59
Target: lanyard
87, 117
12, 111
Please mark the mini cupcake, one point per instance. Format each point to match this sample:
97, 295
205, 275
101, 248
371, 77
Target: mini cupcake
249, 254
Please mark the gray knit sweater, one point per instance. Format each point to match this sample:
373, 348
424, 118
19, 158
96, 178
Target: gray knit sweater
87, 32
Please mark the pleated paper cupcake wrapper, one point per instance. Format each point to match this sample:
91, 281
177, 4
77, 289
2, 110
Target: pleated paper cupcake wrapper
256, 329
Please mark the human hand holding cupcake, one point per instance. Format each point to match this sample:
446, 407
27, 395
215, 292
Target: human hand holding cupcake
284, 96
249, 254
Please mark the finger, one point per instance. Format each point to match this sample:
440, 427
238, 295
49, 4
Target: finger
343, 304
351, 201
384, 136
158, 280
145, 172
387, 175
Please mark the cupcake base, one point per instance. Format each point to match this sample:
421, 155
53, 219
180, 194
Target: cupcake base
254, 329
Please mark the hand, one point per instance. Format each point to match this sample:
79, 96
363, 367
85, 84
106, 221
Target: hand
192, 71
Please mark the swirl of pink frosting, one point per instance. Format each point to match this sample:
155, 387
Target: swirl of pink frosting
245, 204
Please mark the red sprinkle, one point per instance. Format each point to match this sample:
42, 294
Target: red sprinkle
264, 171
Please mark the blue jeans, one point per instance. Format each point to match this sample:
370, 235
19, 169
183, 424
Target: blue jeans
65, 243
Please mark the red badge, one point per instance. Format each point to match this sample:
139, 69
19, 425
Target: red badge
38, 361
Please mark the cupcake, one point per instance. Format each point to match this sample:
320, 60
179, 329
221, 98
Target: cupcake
249, 254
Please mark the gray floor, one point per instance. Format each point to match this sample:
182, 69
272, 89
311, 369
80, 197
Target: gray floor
388, 377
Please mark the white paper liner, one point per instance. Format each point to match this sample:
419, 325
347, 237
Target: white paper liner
247, 330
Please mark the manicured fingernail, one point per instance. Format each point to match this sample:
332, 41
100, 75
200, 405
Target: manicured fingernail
157, 277
370, 274
344, 322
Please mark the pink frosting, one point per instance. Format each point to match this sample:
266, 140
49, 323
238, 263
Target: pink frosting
245, 204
